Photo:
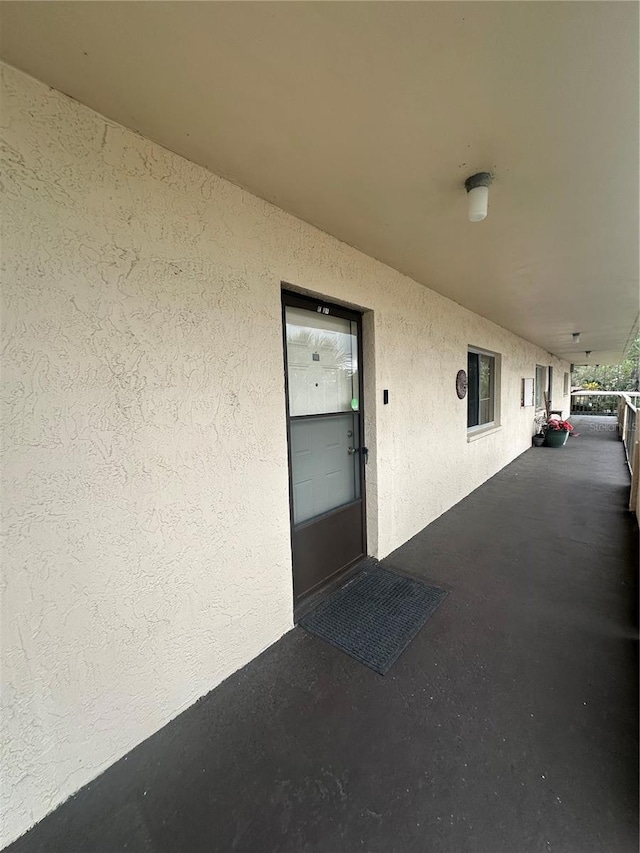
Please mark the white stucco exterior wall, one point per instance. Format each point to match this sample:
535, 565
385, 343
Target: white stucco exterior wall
147, 550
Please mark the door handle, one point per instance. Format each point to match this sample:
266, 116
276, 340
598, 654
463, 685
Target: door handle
363, 450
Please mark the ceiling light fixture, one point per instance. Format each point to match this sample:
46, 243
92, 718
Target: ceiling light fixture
477, 187
576, 337
587, 352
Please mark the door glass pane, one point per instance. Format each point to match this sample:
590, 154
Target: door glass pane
324, 474
322, 358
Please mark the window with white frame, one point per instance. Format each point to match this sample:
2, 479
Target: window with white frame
482, 391
541, 382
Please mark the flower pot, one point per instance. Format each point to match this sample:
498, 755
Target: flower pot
538, 440
556, 437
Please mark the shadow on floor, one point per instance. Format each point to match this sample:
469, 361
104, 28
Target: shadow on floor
509, 724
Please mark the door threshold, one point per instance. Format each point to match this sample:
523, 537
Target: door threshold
312, 599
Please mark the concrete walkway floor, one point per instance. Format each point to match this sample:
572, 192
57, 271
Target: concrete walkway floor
509, 725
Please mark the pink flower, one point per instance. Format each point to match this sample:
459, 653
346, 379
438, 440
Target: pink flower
556, 424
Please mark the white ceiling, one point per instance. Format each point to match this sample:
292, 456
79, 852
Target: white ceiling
365, 118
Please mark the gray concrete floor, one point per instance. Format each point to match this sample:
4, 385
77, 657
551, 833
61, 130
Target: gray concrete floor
509, 724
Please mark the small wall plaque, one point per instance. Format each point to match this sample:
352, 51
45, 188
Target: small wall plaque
461, 384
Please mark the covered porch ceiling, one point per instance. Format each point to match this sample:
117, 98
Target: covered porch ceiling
364, 119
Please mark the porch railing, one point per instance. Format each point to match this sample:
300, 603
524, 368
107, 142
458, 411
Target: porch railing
584, 403
627, 422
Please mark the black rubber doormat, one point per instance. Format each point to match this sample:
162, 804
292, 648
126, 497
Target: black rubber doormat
375, 616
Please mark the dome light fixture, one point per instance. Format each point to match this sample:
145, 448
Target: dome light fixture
576, 337
587, 353
477, 187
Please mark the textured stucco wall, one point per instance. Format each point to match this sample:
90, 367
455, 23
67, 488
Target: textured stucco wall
147, 550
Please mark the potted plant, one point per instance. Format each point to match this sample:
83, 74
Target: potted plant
540, 422
557, 432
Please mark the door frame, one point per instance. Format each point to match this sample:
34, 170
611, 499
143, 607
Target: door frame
291, 298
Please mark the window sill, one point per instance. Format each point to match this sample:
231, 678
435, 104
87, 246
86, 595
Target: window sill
480, 433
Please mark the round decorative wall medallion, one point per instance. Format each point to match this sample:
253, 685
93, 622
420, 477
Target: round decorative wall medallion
461, 384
